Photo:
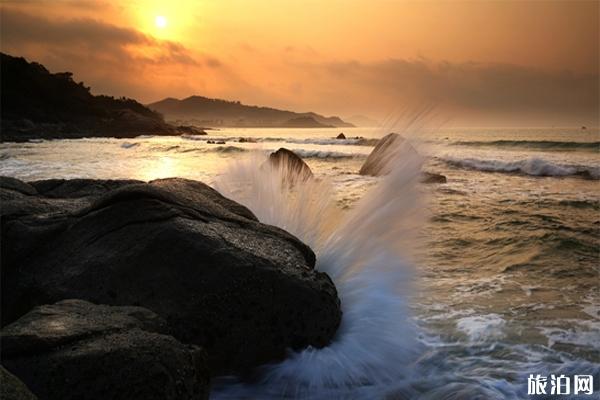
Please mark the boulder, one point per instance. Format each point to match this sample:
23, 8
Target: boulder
293, 167
379, 162
341, 136
430, 177
77, 350
190, 130
243, 290
11, 387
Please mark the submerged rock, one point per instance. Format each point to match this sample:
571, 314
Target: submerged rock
77, 350
190, 130
294, 168
430, 177
11, 387
243, 290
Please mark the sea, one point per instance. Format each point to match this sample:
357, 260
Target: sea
483, 287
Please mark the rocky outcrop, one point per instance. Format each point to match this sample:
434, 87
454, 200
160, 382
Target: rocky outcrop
380, 161
77, 350
390, 147
11, 387
430, 177
292, 166
190, 130
243, 290
39, 104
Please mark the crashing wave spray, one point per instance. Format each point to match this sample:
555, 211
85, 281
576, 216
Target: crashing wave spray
362, 250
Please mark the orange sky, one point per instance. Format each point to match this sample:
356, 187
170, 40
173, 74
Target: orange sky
504, 62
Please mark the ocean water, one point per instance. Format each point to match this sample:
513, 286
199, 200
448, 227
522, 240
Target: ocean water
449, 291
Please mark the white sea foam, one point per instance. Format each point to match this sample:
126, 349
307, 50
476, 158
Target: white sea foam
304, 153
482, 327
529, 166
583, 333
129, 145
363, 252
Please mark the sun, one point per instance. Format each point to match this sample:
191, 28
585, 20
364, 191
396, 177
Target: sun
160, 21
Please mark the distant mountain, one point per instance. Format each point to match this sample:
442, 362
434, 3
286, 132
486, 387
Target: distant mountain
40, 104
362, 120
214, 112
305, 122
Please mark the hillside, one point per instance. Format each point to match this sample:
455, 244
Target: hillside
40, 104
214, 112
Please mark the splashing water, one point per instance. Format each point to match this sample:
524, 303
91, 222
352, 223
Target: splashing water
363, 252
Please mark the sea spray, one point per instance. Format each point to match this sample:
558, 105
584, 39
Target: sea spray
364, 252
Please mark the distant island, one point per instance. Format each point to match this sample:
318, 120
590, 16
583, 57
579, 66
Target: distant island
39, 104
205, 111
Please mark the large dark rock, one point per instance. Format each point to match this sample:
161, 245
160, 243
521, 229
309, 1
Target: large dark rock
77, 350
243, 290
388, 149
380, 161
431, 177
341, 136
292, 166
11, 387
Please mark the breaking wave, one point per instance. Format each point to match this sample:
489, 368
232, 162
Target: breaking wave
325, 154
530, 166
356, 141
543, 145
363, 252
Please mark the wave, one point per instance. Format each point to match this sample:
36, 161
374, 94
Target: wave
530, 166
357, 141
362, 252
547, 145
323, 154
129, 145
213, 149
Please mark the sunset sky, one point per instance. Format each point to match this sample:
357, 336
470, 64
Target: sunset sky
479, 62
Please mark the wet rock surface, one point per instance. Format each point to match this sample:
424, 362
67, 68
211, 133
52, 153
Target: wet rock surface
11, 387
220, 279
77, 350
381, 160
293, 166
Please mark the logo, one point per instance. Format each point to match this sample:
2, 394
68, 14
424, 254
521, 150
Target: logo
561, 384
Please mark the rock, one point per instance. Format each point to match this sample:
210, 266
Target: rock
294, 168
75, 188
11, 387
244, 291
379, 161
77, 350
17, 185
387, 149
190, 130
341, 136
429, 177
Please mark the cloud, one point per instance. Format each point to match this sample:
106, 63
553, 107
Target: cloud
473, 88
23, 29
112, 59
124, 61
